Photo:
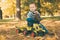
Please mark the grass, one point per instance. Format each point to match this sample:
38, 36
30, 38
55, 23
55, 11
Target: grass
6, 20
3, 21
56, 18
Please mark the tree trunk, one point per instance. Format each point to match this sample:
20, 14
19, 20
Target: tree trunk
39, 6
0, 14
18, 14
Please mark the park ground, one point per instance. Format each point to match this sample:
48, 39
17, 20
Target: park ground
8, 30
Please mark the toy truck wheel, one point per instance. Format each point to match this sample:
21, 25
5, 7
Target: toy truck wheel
32, 34
17, 30
24, 32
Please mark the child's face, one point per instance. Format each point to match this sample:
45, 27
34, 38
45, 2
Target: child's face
32, 7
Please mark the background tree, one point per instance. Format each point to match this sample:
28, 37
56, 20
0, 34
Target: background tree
18, 14
0, 13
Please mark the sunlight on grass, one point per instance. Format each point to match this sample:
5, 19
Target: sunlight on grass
6, 20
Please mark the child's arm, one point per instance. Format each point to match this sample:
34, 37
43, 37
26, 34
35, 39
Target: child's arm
29, 15
37, 16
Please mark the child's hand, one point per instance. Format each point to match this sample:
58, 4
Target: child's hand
36, 12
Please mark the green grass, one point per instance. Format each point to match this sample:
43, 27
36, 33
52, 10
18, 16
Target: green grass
6, 20
57, 18
47, 18
3, 21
